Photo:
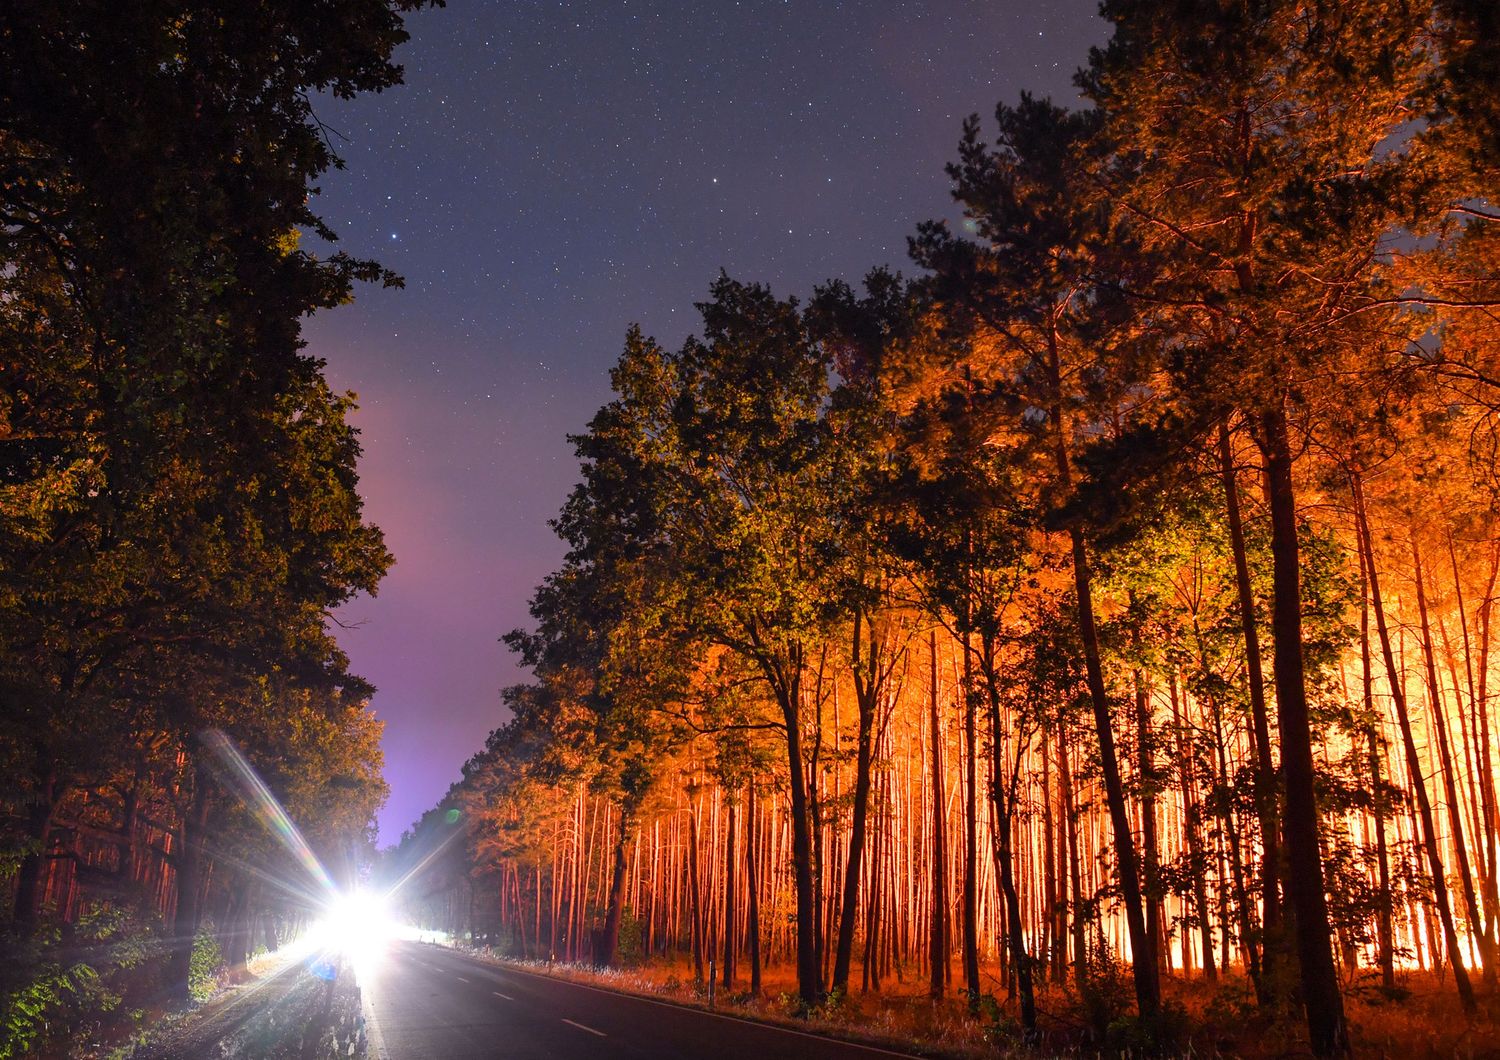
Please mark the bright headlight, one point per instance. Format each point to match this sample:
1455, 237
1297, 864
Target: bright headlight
357, 925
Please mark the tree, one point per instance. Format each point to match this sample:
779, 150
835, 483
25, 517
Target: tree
1036, 320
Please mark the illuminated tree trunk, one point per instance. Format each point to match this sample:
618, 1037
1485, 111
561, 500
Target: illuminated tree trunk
753, 889
730, 949
1450, 787
1413, 762
868, 689
1491, 814
938, 928
1266, 779
1192, 820
695, 903
610, 943
971, 835
1384, 939
1147, 769
1319, 976
1075, 865
1003, 779
1144, 962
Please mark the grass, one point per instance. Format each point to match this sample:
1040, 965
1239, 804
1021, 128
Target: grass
1422, 1020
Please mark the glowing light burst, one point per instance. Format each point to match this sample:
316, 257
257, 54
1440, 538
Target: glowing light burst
350, 926
356, 927
258, 798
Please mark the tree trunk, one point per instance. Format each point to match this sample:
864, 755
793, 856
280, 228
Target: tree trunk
1143, 958
1450, 787
867, 687
610, 943
189, 884
694, 896
1192, 819
971, 836
38, 831
938, 937
752, 883
1268, 989
1075, 870
1384, 938
729, 889
1147, 768
1144, 964
1413, 760
1002, 791
1327, 1029
809, 971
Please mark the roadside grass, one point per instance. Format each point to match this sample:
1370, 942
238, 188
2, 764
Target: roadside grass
1203, 1019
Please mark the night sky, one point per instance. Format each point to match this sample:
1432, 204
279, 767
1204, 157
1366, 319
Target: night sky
551, 172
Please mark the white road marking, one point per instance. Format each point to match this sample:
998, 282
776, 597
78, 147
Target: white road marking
461, 979
373, 1036
506, 996
583, 1028
877, 1050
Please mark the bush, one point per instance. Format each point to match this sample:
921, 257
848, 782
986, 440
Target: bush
205, 964
58, 987
630, 950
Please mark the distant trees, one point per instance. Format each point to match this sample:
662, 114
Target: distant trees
1122, 586
178, 504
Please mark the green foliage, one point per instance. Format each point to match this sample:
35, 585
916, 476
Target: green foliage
61, 985
205, 964
631, 949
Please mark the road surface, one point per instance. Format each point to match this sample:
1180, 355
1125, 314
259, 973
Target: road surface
425, 1002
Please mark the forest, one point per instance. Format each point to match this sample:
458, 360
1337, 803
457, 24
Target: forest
178, 501
1103, 610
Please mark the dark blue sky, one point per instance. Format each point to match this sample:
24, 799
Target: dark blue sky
552, 172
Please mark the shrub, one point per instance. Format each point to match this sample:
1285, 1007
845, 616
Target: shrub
56, 988
205, 964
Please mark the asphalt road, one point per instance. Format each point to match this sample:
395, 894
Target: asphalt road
428, 1003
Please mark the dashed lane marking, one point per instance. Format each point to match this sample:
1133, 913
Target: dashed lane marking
583, 1028
506, 996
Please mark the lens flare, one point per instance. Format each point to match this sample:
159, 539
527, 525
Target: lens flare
356, 927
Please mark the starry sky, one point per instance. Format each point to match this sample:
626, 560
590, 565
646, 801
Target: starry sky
554, 171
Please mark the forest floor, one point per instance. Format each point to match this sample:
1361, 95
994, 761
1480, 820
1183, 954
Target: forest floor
1422, 1022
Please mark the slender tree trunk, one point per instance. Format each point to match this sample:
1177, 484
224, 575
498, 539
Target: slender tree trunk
938, 930
971, 836
730, 949
1003, 799
189, 885
1055, 942
1413, 762
610, 943
1147, 767
752, 884
809, 970
867, 695
1384, 937
1491, 814
1075, 867
694, 897
1268, 990
1450, 786
1191, 822
1144, 962
1327, 1029
1143, 958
